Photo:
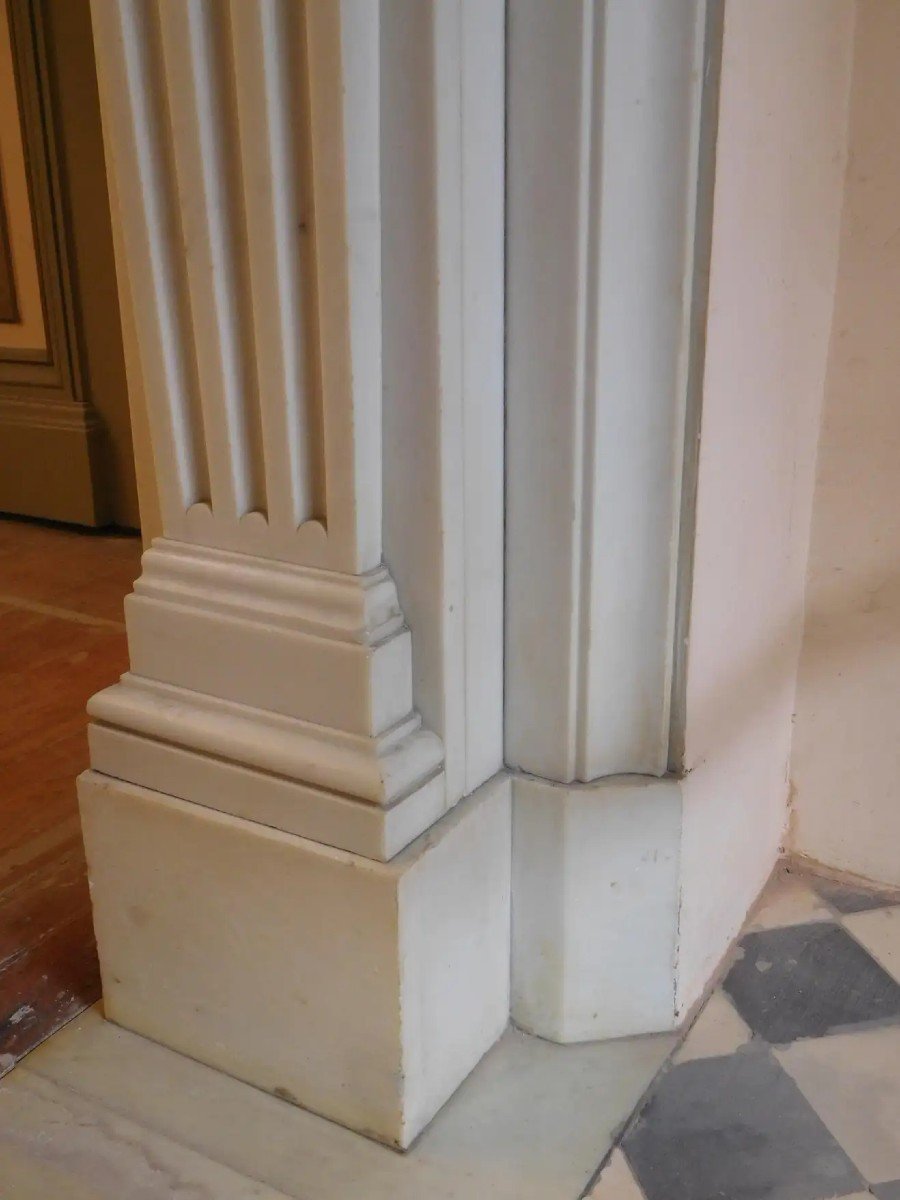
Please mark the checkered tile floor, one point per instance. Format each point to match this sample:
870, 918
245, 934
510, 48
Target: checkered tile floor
787, 1086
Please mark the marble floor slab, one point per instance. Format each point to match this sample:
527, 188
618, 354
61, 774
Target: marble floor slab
718, 1030
854, 1081
531, 1123
878, 930
735, 1126
789, 899
804, 981
57, 1143
617, 1181
787, 1087
98, 1113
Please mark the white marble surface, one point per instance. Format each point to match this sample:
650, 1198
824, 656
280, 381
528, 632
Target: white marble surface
718, 1030
879, 932
788, 900
852, 1082
55, 1142
616, 1181
595, 907
366, 991
531, 1123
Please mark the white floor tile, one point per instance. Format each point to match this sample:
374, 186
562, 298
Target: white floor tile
788, 900
853, 1083
616, 1182
718, 1030
879, 931
530, 1123
54, 1143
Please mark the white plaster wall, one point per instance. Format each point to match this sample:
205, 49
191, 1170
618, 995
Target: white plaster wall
777, 204
846, 758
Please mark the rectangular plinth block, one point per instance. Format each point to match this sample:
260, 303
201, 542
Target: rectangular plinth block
364, 991
595, 907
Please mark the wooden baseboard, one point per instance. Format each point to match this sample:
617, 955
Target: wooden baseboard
51, 461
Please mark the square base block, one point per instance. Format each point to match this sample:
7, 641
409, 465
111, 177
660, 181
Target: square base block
364, 991
595, 907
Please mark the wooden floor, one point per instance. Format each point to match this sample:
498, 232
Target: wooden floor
61, 639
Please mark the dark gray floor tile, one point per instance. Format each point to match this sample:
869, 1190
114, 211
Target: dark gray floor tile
850, 900
887, 1191
808, 980
736, 1127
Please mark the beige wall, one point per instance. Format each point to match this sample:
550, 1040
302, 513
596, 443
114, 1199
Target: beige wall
777, 204
846, 758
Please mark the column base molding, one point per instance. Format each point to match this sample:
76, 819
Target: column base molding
319, 646
363, 991
276, 693
596, 889
367, 795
